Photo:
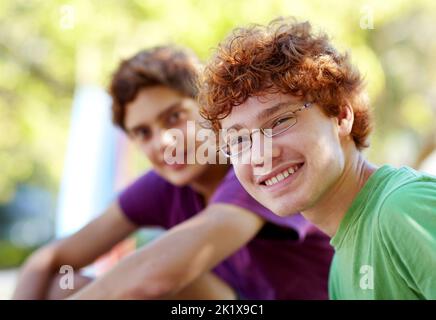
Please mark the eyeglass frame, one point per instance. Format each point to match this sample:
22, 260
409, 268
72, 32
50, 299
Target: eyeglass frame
305, 106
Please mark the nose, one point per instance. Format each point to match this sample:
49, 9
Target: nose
263, 151
161, 140
168, 138
257, 148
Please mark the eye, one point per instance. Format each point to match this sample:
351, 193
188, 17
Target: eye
141, 134
175, 117
239, 143
283, 121
236, 140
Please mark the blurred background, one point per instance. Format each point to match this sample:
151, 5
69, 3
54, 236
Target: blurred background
61, 160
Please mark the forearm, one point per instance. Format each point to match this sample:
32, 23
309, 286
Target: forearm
135, 277
156, 271
177, 258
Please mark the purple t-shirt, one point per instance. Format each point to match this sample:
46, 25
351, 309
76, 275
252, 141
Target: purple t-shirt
288, 259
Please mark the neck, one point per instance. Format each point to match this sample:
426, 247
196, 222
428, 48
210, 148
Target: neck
328, 213
208, 181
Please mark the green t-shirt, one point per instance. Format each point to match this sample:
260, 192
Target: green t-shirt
386, 243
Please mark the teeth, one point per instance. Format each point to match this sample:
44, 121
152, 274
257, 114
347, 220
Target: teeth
282, 175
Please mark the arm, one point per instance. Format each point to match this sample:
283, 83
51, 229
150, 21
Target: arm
179, 257
77, 250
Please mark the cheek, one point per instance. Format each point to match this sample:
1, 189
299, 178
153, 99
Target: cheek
182, 133
325, 165
244, 174
321, 146
147, 151
329, 150
191, 136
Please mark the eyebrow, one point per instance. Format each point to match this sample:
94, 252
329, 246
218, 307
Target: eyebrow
169, 109
160, 116
266, 113
273, 110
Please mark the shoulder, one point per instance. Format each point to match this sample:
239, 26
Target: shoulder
407, 230
150, 184
409, 206
231, 192
414, 194
145, 197
151, 178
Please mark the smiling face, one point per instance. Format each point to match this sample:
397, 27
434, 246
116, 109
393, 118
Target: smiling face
307, 159
149, 116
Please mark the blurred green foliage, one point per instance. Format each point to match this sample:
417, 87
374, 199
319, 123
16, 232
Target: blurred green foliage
12, 255
47, 47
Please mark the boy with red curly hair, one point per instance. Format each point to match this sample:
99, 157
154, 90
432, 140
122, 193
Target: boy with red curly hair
291, 85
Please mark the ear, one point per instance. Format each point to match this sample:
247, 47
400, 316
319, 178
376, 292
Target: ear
345, 121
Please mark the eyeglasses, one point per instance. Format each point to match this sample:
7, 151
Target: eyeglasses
242, 140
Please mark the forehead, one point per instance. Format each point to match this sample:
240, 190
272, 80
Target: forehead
248, 114
150, 103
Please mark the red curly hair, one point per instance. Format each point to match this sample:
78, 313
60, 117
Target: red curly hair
285, 56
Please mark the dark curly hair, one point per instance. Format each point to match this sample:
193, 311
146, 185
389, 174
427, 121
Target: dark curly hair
170, 66
284, 56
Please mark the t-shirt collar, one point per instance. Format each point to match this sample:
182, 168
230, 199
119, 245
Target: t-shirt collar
355, 210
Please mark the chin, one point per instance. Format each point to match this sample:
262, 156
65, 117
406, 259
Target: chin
281, 212
178, 180
288, 210
182, 177
282, 207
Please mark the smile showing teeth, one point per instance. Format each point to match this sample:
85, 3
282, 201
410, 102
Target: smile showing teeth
282, 175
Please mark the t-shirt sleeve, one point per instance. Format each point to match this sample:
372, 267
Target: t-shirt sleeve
408, 228
231, 192
142, 201
333, 281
